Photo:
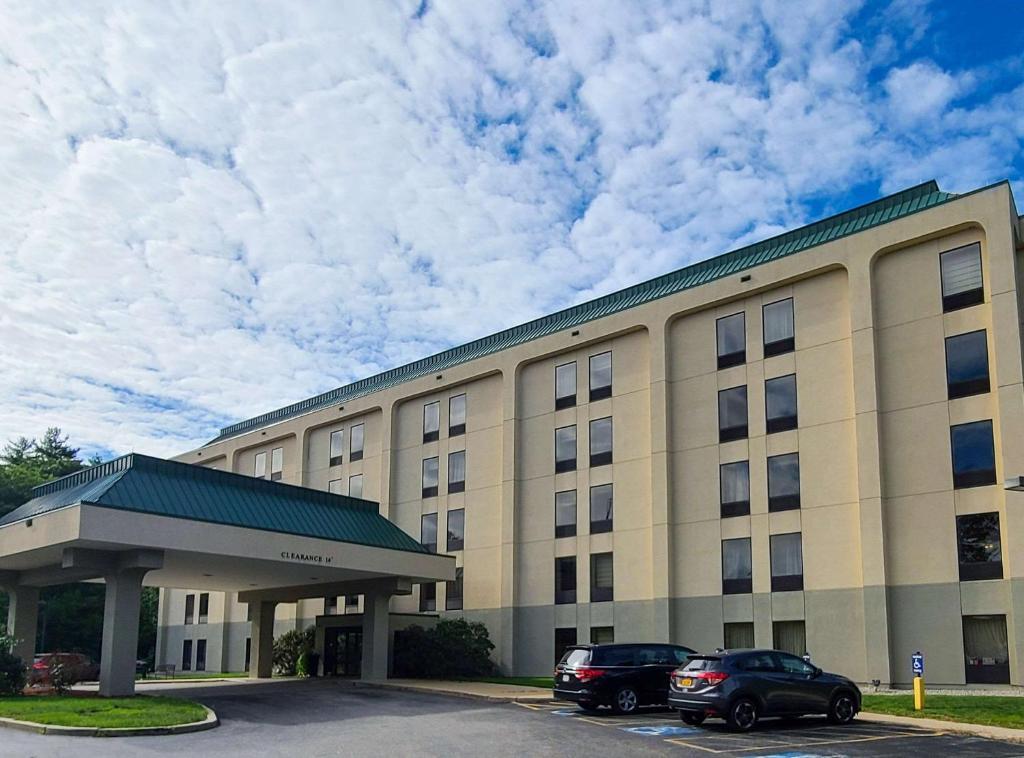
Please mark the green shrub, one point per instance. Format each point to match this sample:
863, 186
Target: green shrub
454, 649
290, 647
12, 669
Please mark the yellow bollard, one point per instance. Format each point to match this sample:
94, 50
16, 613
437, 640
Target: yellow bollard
918, 693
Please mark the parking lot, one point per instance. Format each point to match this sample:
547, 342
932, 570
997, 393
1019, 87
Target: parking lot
331, 718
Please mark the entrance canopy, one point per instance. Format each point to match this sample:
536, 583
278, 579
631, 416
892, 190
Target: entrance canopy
141, 520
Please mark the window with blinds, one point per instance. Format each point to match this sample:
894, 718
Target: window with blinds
601, 441
961, 277
276, 464
334, 486
337, 446
453, 593
565, 385
355, 485
601, 508
784, 482
429, 479
787, 562
428, 531
735, 488
456, 529
457, 415
565, 449
260, 466
602, 578
731, 337
565, 513
457, 471
779, 332
732, 414
737, 572
355, 443
431, 421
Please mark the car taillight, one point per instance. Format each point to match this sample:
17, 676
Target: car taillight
711, 678
585, 673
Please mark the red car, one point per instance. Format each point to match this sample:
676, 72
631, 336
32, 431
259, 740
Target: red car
84, 669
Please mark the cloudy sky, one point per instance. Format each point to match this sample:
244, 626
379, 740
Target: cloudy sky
209, 210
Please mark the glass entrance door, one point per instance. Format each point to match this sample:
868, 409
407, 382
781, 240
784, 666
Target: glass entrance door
343, 652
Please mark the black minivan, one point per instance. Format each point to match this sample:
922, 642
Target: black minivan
623, 676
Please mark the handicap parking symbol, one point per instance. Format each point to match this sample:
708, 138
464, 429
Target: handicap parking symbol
660, 731
566, 713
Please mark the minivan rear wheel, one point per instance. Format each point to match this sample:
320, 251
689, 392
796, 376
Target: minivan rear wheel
742, 715
842, 709
693, 718
626, 700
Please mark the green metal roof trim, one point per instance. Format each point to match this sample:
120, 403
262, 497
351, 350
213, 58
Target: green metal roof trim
143, 484
880, 211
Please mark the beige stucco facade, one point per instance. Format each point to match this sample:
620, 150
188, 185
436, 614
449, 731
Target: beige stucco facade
878, 508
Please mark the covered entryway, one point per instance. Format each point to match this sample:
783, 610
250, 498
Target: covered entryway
141, 521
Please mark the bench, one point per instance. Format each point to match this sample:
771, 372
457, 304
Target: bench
167, 669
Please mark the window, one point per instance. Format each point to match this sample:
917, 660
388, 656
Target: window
565, 513
431, 421
986, 650
974, 457
600, 376
453, 593
428, 598
565, 385
602, 578
248, 652
337, 447
759, 662
780, 403
355, 485
778, 327
565, 449
787, 562
429, 479
602, 635
601, 442
355, 443
601, 509
789, 663
734, 488
736, 570
565, 580
351, 603
732, 414
200, 655
790, 637
334, 486
564, 639
428, 531
784, 482
330, 605
732, 340
457, 415
260, 469
967, 364
978, 546
739, 635
961, 277
190, 608
204, 607
276, 463
457, 471
186, 655
456, 529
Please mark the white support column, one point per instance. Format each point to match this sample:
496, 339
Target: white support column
120, 632
261, 653
376, 634
22, 616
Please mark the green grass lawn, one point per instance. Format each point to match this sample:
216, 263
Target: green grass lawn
74, 710
991, 710
523, 681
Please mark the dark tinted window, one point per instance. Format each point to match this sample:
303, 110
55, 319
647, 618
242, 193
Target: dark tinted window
601, 441
565, 580
680, 655
565, 385
778, 327
979, 546
780, 403
757, 662
702, 663
732, 414
734, 479
600, 376
615, 656
732, 340
784, 482
600, 508
787, 562
967, 364
655, 655
565, 448
736, 567
793, 665
961, 277
974, 457
565, 513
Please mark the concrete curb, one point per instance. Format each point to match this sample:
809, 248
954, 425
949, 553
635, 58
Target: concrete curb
209, 722
978, 730
481, 696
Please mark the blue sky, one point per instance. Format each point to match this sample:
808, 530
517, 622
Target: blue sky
209, 212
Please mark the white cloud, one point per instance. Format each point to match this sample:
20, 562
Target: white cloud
208, 213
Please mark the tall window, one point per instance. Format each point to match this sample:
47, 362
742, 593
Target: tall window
565, 580
974, 456
200, 655
457, 471
790, 637
334, 486
601, 441
787, 562
457, 415
778, 327
738, 635
784, 482
429, 480
978, 545
355, 443
961, 277
453, 593
204, 607
565, 638
780, 403
731, 333
186, 655
431, 421
337, 446
456, 530
565, 385
428, 531
600, 376
428, 598
351, 603
330, 605
602, 578
601, 508
967, 364
732, 414
565, 449
602, 635
737, 577
260, 468
565, 513
734, 480
986, 650
355, 485
190, 608
276, 464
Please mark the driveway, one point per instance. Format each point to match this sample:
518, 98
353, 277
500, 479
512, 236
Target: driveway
331, 718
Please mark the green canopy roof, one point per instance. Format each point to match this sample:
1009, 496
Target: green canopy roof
158, 487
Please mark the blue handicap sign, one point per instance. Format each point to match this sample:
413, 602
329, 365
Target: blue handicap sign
917, 663
659, 731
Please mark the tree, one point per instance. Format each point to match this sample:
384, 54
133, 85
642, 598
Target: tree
26, 463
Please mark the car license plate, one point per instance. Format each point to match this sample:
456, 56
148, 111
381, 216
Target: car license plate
686, 682
565, 677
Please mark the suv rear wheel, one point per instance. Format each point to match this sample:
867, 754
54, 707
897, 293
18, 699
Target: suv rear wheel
742, 715
626, 700
842, 709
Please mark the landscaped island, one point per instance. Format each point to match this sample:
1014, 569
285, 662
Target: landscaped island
99, 712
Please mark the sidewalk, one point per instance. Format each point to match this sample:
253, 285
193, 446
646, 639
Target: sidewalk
495, 693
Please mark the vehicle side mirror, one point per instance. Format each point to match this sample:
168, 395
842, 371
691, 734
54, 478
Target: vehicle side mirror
817, 673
